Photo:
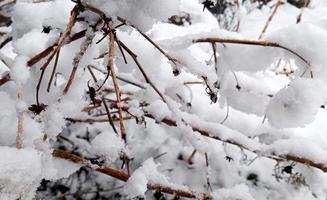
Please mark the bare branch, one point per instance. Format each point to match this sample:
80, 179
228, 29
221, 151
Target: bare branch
120, 175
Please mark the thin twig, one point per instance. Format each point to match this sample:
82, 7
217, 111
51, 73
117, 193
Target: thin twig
207, 171
251, 42
94, 120
6, 41
109, 116
92, 74
270, 18
53, 70
111, 69
20, 125
190, 158
170, 58
299, 18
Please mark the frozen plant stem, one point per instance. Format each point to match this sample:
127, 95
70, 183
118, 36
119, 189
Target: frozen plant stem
250, 42
207, 171
111, 69
270, 18
20, 124
109, 115
254, 43
299, 18
53, 70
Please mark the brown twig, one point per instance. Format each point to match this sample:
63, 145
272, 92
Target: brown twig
53, 70
190, 158
120, 175
111, 68
109, 116
299, 17
207, 171
270, 18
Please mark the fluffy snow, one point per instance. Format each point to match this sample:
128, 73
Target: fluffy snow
297, 104
109, 145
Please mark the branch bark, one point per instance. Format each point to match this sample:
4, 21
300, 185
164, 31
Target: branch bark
120, 175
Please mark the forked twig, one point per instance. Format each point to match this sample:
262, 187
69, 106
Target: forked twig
53, 70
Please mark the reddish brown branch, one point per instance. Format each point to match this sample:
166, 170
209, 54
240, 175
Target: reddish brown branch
250, 42
120, 175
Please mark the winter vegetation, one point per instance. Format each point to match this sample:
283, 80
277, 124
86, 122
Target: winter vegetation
173, 99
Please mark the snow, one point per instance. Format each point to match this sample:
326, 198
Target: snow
265, 107
297, 104
20, 172
110, 150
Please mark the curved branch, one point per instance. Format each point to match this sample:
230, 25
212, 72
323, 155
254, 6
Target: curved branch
250, 42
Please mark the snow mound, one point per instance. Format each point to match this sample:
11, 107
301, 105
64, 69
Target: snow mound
297, 104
